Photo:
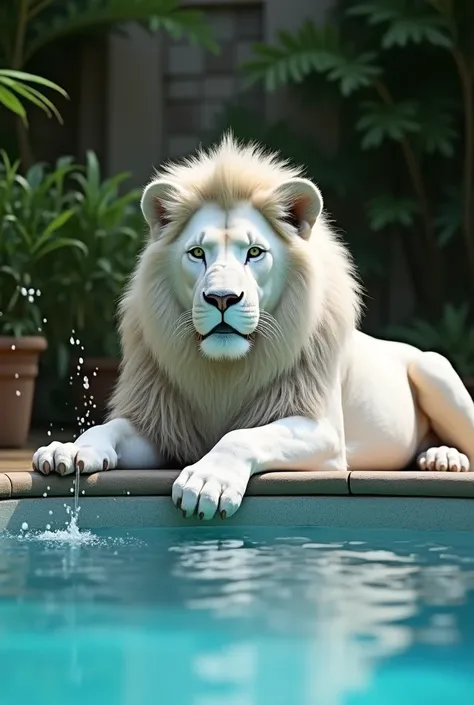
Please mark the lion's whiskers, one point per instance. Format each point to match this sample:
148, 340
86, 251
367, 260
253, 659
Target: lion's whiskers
269, 328
184, 325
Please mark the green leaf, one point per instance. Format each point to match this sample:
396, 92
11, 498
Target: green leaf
93, 14
381, 121
386, 210
33, 78
437, 133
355, 72
416, 30
38, 99
10, 101
12, 82
407, 23
58, 222
310, 50
61, 243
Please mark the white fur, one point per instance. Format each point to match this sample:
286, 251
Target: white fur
305, 390
226, 239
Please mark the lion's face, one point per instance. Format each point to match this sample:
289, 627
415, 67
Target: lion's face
229, 269
225, 264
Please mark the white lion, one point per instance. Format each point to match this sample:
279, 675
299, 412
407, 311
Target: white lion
241, 352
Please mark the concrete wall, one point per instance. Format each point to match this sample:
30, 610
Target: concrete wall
164, 95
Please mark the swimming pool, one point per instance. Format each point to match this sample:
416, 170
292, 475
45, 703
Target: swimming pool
238, 615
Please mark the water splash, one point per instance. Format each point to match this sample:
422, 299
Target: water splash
71, 534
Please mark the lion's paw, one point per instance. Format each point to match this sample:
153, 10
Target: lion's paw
443, 459
64, 458
211, 485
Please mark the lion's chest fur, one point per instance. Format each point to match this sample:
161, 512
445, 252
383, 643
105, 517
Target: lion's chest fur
214, 404
218, 404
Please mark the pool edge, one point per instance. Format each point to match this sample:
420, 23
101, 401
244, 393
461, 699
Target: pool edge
389, 512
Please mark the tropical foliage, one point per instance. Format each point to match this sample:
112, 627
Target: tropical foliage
15, 89
68, 241
34, 211
404, 72
27, 26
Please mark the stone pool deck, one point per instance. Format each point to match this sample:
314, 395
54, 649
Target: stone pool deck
408, 499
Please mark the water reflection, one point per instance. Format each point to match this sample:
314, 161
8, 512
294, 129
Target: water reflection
254, 618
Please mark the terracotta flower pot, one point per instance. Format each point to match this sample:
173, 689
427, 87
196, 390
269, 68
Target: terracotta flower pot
18, 372
101, 374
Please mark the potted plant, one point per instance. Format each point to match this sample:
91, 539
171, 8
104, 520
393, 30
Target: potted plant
452, 337
33, 213
84, 331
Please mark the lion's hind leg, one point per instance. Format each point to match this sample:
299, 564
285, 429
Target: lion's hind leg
450, 409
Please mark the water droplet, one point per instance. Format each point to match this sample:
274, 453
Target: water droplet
128, 492
48, 433
17, 375
13, 347
48, 527
23, 291
18, 393
81, 360
31, 292
78, 342
71, 340
48, 488
24, 526
31, 299
45, 494
50, 512
83, 492
72, 489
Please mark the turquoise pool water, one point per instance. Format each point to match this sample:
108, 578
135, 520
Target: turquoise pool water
238, 617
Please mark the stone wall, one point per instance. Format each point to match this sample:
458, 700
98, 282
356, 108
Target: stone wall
198, 84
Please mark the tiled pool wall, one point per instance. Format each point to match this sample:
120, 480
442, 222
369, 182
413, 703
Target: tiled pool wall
139, 498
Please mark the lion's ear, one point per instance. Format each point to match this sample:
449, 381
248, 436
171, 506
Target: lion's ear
304, 204
154, 204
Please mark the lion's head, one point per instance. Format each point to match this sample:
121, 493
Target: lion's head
241, 283
227, 266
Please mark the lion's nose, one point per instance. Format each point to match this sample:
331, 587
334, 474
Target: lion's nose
222, 300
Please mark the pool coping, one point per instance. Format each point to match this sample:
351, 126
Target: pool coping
17, 483
134, 498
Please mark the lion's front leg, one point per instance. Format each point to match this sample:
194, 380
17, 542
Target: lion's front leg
115, 444
219, 480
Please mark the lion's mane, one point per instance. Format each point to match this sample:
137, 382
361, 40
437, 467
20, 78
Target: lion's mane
185, 402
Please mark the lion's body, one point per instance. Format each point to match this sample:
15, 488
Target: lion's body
241, 351
185, 401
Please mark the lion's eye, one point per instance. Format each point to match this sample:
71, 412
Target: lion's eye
197, 253
254, 252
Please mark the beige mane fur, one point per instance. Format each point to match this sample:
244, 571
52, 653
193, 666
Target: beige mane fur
167, 388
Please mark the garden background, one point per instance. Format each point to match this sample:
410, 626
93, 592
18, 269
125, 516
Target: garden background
374, 98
